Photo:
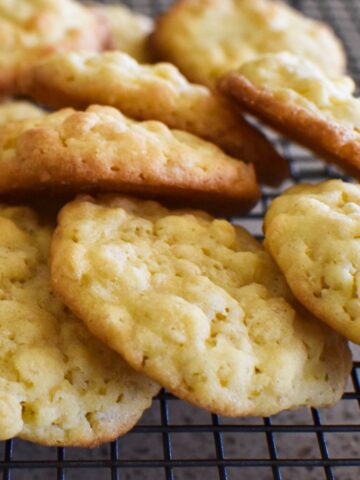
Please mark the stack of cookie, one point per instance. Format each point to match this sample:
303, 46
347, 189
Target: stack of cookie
122, 295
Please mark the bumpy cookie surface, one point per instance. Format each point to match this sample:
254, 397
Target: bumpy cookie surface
18, 110
31, 29
152, 92
312, 231
129, 30
207, 38
296, 97
102, 149
58, 384
196, 304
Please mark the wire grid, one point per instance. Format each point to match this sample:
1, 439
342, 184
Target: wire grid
306, 444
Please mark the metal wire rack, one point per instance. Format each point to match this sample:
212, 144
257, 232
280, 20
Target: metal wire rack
175, 441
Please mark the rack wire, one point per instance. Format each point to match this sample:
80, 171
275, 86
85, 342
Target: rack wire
175, 441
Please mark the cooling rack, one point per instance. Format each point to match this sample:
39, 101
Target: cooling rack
175, 441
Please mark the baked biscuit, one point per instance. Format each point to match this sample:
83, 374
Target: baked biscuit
152, 92
101, 149
295, 97
196, 304
31, 29
14, 110
58, 384
312, 232
129, 30
208, 38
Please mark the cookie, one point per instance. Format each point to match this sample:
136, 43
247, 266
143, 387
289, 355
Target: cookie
129, 30
207, 38
295, 97
312, 232
196, 304
30, 29
100, 149
59, 385
14, 110
152, 92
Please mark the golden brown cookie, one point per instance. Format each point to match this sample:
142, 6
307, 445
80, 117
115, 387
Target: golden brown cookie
58, 384
295, 97
208, 38
195, 303
152, 92
129, 30
101, 149
312, 232
31, 29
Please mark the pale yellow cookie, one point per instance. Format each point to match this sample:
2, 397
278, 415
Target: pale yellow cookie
313, 232
129, 30
195, 303
207, 38
58, 384
294, 96
152, 92
13, 110
31, 29
101, 149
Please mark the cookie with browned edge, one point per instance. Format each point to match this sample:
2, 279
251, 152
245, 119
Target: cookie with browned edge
152, 92
196, 304
59, 385
295, 97
312, 232
100, 149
